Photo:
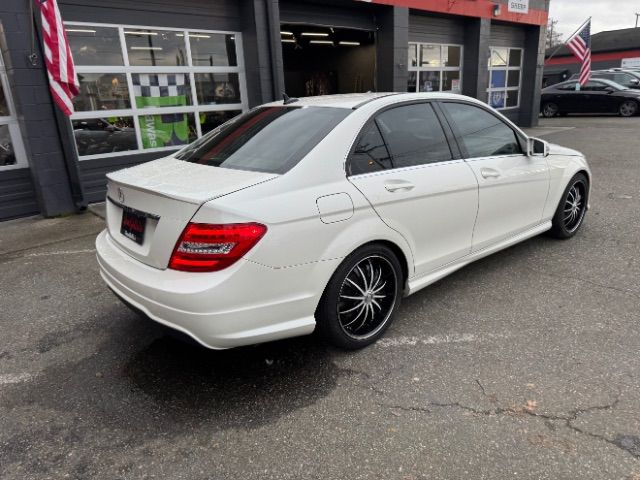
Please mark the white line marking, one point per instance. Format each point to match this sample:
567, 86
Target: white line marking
434, 340
60, 252
11, 378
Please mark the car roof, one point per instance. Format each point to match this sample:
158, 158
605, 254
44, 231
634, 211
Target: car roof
354, 100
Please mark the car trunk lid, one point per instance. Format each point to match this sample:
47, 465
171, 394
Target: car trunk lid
160, 197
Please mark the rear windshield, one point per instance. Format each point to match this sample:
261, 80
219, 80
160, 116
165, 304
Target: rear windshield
266, 139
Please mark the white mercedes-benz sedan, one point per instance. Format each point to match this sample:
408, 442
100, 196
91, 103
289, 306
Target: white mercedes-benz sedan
323, 212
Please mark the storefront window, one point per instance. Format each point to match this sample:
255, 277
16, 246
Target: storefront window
151, 89
211, 120
434, 68
217, 88
93, 45
12, 153
155, 47
97, 136
161, 89
102, 91
166, 130
4, 104
505, 70
213, 49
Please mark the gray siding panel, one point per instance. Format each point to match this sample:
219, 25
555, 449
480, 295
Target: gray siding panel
218, 15
347, 15
507, 35
17, 196
436, 29
93, 172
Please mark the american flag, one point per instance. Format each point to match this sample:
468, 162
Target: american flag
580, 45
63, 81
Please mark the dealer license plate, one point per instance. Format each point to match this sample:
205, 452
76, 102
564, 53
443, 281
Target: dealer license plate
133, 225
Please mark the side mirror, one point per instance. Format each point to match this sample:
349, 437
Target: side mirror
609, 89
537, 147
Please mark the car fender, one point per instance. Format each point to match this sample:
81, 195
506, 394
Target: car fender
562, 169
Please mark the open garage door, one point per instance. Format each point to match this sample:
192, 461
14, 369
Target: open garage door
324, 60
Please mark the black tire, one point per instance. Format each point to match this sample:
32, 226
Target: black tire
572, 208
628, 108
550, 110
345, 299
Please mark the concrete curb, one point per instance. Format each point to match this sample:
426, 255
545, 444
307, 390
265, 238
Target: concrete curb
98, 209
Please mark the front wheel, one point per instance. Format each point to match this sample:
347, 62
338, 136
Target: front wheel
361, 298
550, 110
628, 108
572, 208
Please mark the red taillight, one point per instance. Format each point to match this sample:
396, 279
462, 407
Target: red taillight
208, 248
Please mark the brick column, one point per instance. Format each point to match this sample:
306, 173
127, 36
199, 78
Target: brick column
392, 49
532, 73
475, 70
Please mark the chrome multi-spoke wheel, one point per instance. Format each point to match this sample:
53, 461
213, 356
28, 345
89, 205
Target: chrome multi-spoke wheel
361, 298
574, 206
572, 209
367, 297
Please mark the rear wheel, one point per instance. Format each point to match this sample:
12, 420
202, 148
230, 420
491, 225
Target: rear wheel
628, 108
361, 298
550, 109
572, 208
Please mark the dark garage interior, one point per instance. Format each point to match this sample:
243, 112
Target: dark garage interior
326, 60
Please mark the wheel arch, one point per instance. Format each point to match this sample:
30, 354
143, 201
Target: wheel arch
403, 260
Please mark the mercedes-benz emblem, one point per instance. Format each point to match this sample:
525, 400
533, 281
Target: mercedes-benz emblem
120, 195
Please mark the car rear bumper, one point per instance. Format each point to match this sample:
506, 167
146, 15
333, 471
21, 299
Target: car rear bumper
244, 304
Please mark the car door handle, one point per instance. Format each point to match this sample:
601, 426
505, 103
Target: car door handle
398, 185
489, 173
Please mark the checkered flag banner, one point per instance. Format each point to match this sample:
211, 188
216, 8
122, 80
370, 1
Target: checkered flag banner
160, 85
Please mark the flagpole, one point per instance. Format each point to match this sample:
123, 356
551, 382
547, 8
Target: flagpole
568, 40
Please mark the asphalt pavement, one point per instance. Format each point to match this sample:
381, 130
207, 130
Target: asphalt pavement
523, 365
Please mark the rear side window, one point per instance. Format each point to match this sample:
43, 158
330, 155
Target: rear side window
370, 153
483, 134
414, 135
266, 139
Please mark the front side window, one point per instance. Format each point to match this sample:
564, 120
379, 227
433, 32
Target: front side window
413, 135
505, 70
266, 139
434, 68
482, 133
145, 89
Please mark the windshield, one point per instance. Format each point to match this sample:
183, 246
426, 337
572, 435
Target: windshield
265, 139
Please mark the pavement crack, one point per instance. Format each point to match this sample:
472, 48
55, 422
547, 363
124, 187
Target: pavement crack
567, 419
405, 408
15, 254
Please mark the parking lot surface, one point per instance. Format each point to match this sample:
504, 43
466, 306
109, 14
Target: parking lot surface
523, 365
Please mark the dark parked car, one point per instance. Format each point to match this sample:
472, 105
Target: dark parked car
627, 79
597, 96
